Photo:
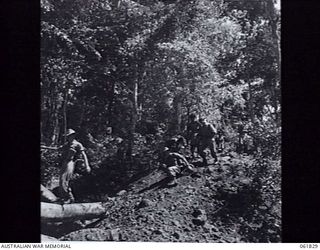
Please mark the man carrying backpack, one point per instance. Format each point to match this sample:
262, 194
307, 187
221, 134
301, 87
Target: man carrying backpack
206, 135
73, 154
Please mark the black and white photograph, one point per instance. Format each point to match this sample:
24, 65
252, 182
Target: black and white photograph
160, 121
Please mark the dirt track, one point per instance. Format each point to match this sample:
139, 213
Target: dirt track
211, 208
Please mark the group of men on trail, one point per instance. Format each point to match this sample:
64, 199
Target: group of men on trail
200, 135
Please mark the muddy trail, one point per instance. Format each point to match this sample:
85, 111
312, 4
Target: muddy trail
221, 204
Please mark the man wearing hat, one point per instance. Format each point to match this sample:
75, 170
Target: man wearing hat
73, 154
176, 143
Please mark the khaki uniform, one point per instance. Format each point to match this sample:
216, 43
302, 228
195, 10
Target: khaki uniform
206, 140
70, 157
192, 132
175, 163
175, 144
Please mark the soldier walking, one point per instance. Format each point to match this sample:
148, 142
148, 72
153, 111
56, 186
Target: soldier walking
206, 136
192, 132
73, 155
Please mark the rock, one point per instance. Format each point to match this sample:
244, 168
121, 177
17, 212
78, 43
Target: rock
144, 203
92, 234
233, 154
161, 197
207, 227
176, 235
186, 229
157, 231
176, 223
150, 218
210, 169
225, 158
214, 229
58, 229
114, 235
198, 221
122, 192
201, 217
196, 175
162, 212
207, 183
197, 212
140, 216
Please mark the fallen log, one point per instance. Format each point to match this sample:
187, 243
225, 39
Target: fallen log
47, 238
71, 212
47, 195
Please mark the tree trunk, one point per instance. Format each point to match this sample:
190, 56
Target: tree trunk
273, 17
56, 128
178, 113
65, 103
71, 212
134, 115
41, 132
55, 115
134, 110
111, 101
250, 103
82, 112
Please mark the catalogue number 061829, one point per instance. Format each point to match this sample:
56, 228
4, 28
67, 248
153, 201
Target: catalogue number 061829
308, 245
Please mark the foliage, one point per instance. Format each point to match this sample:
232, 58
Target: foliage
219, 60
249, 195
50, 162
142, 67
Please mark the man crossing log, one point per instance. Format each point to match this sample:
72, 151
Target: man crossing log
73, 154
73, 158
